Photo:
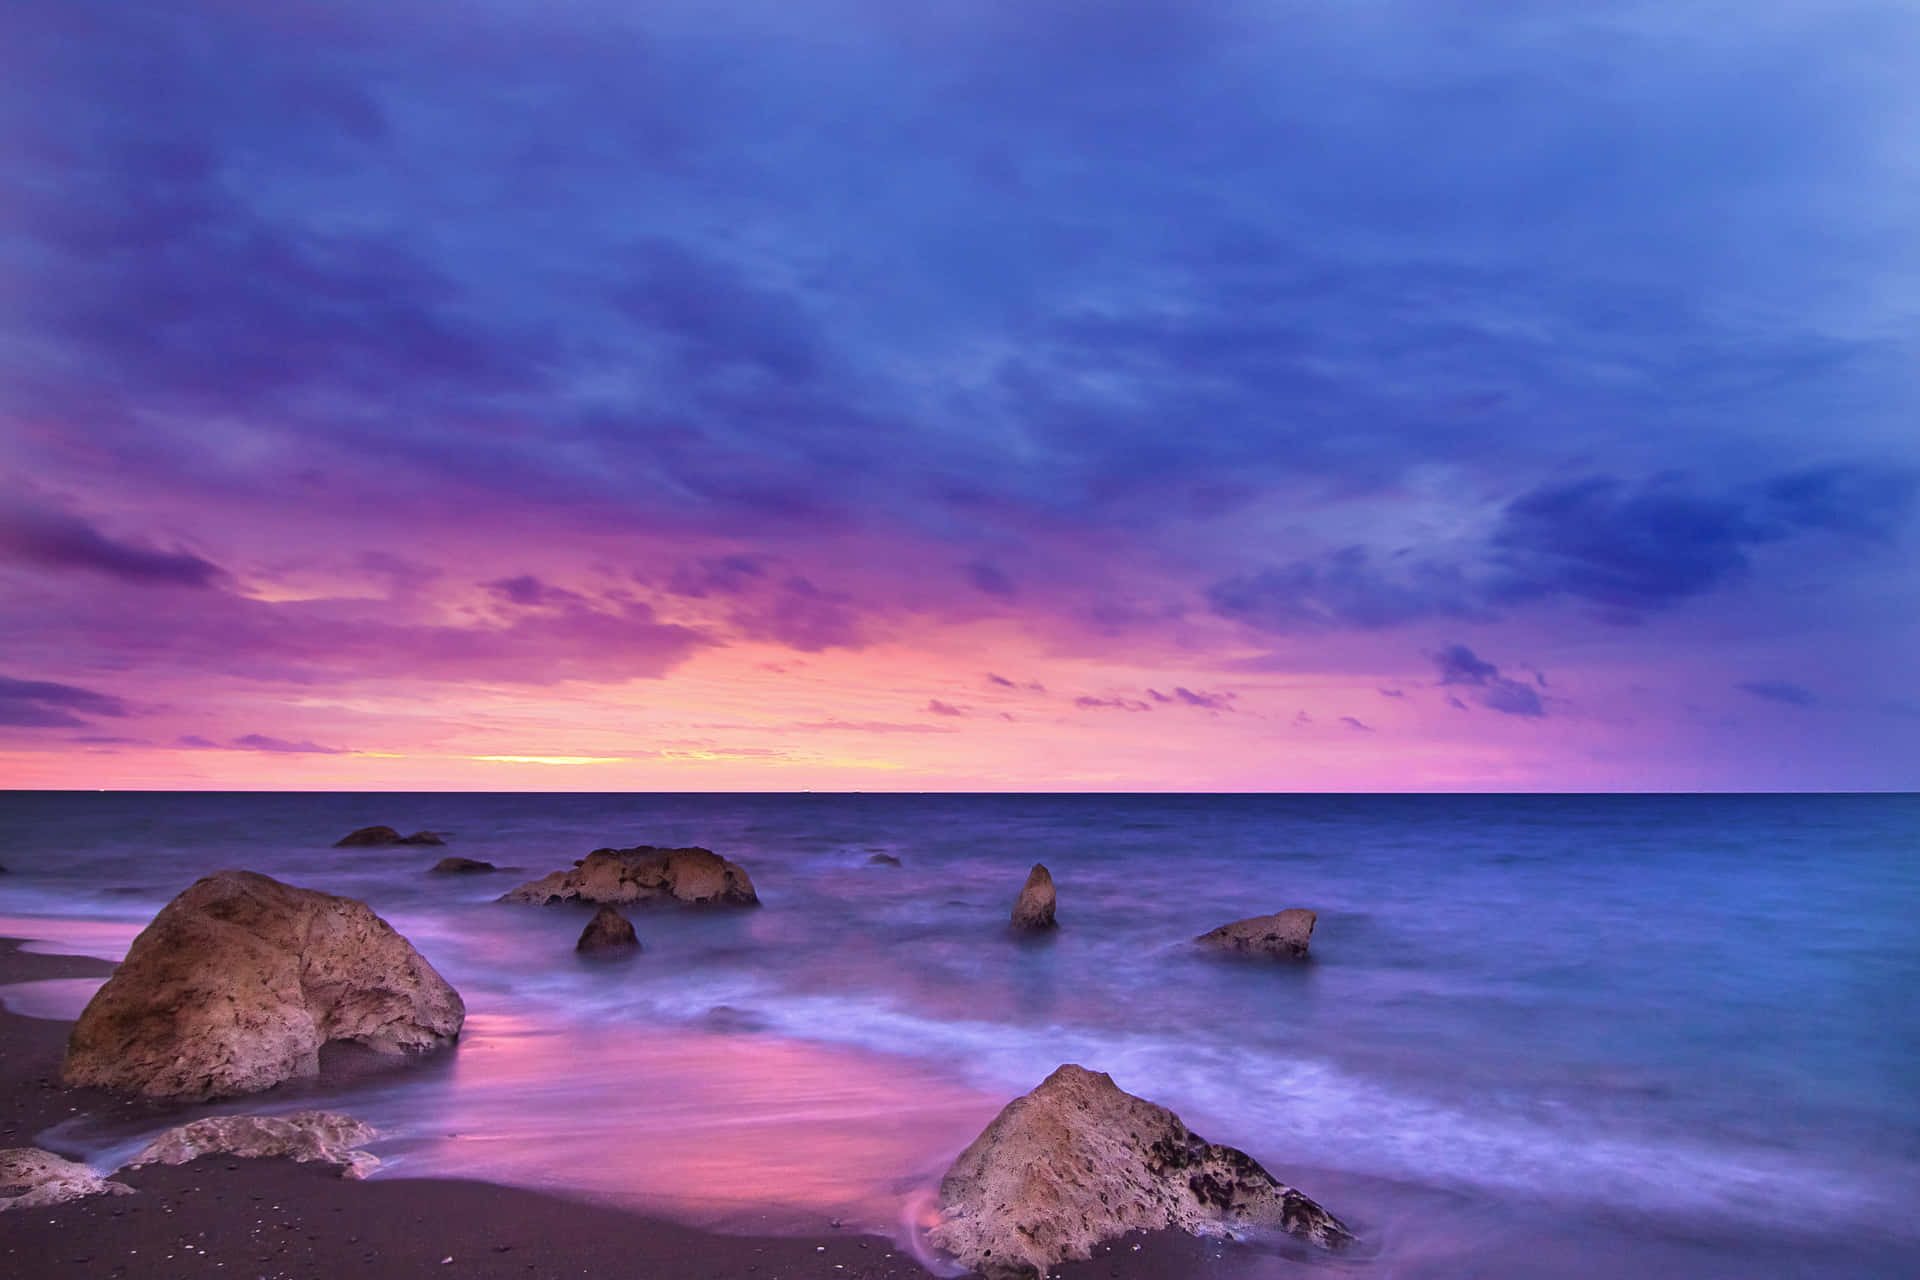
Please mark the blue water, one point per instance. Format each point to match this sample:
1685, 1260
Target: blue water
1595, 1035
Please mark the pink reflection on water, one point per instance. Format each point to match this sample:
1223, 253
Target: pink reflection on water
727, 1130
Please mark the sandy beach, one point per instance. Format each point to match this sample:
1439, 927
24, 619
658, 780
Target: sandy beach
278, 1219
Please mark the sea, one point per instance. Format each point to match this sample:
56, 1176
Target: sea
1539, 1035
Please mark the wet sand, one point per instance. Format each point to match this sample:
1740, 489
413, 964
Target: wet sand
281, 1221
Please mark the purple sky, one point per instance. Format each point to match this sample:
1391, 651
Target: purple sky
1044, 394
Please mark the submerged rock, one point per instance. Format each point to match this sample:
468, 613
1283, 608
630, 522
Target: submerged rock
1078, 1161
307, 1136
238, 982
1033, 909
608, 933
645, 874
370, 836
32, 1179
883, 860
1283, 935
461, 866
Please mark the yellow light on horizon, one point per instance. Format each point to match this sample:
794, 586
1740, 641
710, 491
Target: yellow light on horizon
552, 759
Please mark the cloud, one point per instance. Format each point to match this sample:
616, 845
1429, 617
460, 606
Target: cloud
1459, 665
1205, 701
1778, 691
38, 535
260, 742
868, 726
1352, 723
729, 575
1344, 588
1391, 693
804, 617
1087, 703
530, 591
990, 580
1001, 682
42, 704
939, 708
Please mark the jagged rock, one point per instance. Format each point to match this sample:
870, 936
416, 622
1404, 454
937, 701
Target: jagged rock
371, 836
883, 860
1283, 935
462, 866
645, 874
1033, 909
307, 1136
32, 1179
238, 982
1079, 1161
607, 933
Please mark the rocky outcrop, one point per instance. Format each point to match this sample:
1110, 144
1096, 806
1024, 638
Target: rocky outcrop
238, 982
883, 860
1283, 935
461, 866
608, 933
307, 1136
645, 874
32, 1179
1033, 909
1079, 1161
367, 837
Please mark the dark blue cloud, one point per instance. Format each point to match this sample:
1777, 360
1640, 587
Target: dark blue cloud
43, 704
36, 534
528, 590
1352, 723
1778, 691
259, 742
1459, 665
939, 708
1087, 702
992, 581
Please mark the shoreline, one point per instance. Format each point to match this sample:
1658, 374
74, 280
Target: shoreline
276, 1218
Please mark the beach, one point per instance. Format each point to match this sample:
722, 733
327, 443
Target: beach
1506, 1057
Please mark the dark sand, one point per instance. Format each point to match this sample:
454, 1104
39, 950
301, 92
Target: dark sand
277, 1220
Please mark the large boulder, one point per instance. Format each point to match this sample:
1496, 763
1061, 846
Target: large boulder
1078, 1161
326, 1137
1033, 909
645, 874
1283, 935
238, 982
367, 837
32, 1179
608, 933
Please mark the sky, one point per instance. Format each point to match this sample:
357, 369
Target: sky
1040, 395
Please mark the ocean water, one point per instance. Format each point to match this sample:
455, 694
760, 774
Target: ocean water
1564, 1035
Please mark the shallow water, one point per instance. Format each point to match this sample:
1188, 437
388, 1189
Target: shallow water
1668, 1034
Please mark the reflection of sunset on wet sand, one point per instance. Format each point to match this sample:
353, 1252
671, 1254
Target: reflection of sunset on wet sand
721, 1129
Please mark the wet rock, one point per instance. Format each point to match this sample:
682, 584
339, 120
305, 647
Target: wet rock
31, 1179
1078, 1162
1033, 909
645, 874
883, 860
1283, 935
326, 1137
368, 837
238, 982
608, 933
461, 866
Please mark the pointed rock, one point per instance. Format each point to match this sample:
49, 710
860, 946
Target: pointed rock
1078, 1161
608, 933
1033, 909
32, 1179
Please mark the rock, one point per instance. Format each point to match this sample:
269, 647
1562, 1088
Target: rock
462, 866
1078, 1161
1283, 935
1033, 909
645, 874
370, 836
367, 836
608, 932
32, 1179
307, 1136
883, 860
238, 982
